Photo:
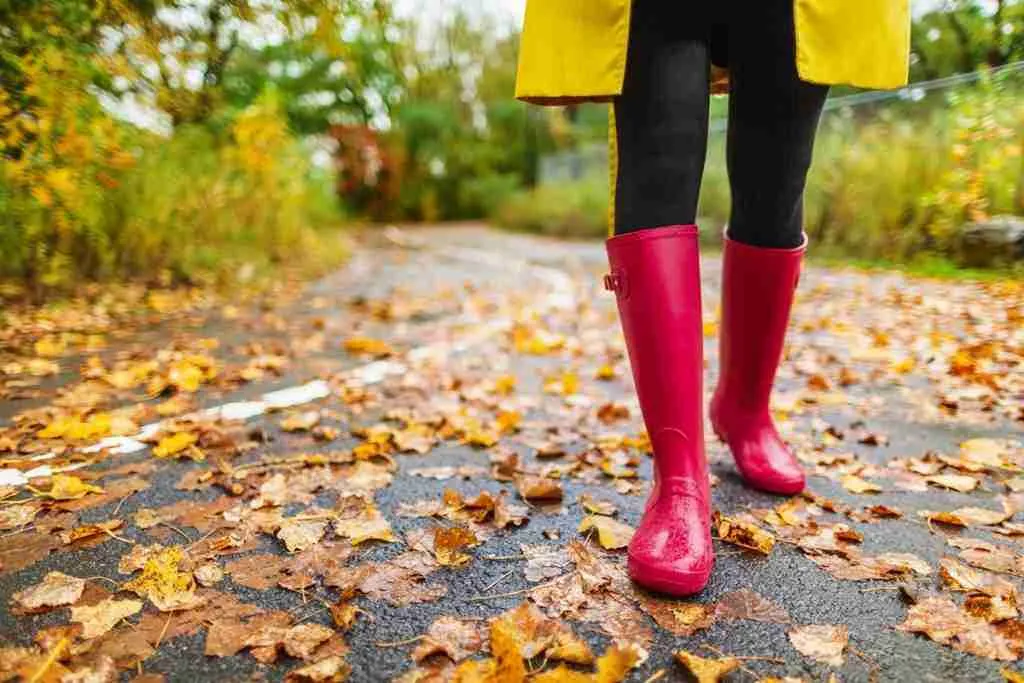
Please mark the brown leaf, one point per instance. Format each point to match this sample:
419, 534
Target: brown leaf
332, 669
544, 561
746, 604
968, 516
944, 622
55, 590
299, 534
960, 577
539, 488
744, 534
454, 638
821, 642
680, 618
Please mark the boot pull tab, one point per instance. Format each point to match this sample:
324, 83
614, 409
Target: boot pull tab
616, 281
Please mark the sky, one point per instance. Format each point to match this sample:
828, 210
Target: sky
513, 9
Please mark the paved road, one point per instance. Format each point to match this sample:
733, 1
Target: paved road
453, 294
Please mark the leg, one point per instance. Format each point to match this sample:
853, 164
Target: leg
661, 121
655, 274
773, 117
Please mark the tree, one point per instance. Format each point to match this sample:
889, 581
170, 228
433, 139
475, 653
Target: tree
962, 35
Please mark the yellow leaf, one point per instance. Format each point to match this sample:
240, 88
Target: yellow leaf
505, 648
175, 444
68, 487
475, 671
855, 484
77, 429
448, 545
611, 534
706, 670
163, 582
615, 663
49, 347
505, 385
370, 525
367, 347
508, 421
744, 534
99, 618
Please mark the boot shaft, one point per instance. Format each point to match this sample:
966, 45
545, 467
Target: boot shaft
655, 275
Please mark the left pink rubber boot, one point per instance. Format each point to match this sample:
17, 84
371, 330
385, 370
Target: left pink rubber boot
757, 294
655, 275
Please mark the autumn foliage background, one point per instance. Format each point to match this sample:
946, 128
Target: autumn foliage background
216, 141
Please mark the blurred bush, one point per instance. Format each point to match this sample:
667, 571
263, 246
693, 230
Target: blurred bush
568, 209
897, 183
91, 199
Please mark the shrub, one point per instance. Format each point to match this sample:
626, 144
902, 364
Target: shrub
571, 209
89, 198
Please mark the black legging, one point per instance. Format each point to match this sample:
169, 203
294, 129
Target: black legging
661, 118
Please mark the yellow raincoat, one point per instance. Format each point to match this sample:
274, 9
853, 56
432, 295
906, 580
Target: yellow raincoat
575, 50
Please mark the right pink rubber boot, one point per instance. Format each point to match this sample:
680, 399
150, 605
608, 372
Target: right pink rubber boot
655, 275
757, 294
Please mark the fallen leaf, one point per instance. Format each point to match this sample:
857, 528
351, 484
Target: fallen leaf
706, 670
597, 507
744, 534
99, 618
449, 543
956, 482
67, 487
164, 583
175, 444
301, 422
299, 534
855, 484
544, 561
611, 534
55, 590
821, 642
539, 488
746, 604
330, 669
454, 638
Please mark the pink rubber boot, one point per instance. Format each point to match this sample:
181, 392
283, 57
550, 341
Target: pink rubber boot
757, 293
655, 275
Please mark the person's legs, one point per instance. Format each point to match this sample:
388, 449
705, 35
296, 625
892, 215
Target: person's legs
655, 274
661, 120
773, 117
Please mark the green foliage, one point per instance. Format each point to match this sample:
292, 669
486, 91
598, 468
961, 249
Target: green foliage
572, 209
961, 35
